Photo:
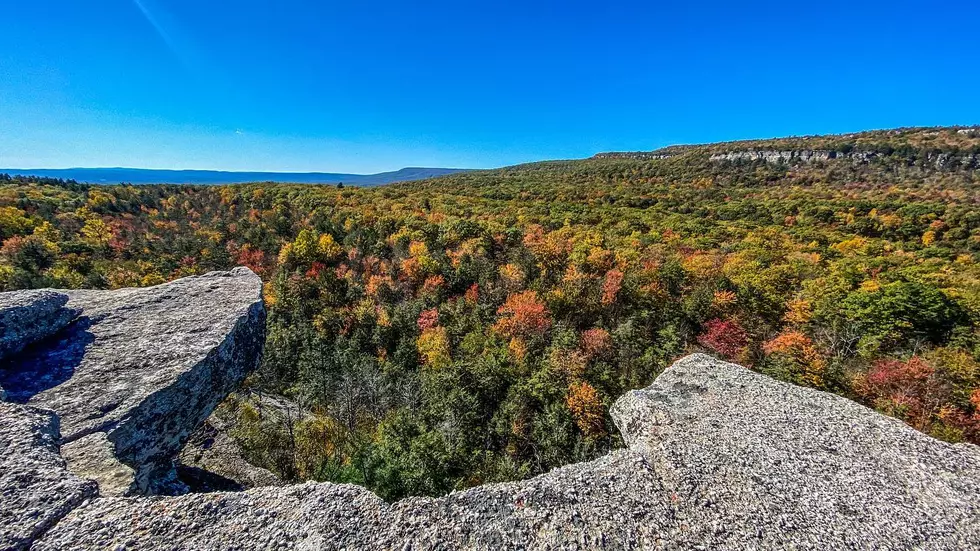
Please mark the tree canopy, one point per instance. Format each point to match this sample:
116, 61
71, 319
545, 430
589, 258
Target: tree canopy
476, 327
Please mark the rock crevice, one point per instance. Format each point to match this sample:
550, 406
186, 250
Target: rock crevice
37, 487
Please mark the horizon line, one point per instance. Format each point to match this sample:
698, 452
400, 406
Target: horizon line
232, 171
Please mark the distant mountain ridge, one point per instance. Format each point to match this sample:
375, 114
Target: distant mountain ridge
213, 177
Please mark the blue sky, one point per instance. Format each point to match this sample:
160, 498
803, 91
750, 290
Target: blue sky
371, 86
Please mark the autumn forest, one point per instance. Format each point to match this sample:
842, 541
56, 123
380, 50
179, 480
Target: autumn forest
434, 335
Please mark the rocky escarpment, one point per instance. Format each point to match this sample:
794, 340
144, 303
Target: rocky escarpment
138, 370
636, 155
939, 160
944, 149
805, 156
718, 457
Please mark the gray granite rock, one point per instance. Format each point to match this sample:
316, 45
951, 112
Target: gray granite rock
612, 502
36, 489
746, 456
719, 458
30, 316
136, 374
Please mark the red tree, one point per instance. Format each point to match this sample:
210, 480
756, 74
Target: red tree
523, 315
596, 342
611, 286
428, 319
726, 337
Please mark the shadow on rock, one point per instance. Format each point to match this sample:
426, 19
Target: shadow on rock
202, 481
46, 364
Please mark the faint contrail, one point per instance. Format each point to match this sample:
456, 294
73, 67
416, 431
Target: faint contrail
166, 36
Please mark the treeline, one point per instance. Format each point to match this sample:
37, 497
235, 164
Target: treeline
477, 327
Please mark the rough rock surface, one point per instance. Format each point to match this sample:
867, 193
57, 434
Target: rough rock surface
756, 462
140, 370
719, 458
29, 316
36, 489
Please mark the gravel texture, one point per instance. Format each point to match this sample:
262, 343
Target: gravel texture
137, 373
30, 316
719, 457
36, 489
612, 502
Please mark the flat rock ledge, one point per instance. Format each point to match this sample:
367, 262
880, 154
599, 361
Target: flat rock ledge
138, 371
718, 457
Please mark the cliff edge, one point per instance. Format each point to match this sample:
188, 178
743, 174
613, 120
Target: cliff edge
717, 457
104, 388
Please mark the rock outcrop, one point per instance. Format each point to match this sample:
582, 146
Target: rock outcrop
633, 155
773, 156
754, 462
718, 457
135, 374
29, 316
36, 488
939, 160
953, 160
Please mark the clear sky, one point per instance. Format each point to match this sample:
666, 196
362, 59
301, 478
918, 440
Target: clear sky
362, 86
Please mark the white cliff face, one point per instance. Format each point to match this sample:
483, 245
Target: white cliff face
940, 161
963, 160
780, 156
639, 155
718, 457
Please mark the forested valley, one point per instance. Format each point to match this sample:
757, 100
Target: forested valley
434, 335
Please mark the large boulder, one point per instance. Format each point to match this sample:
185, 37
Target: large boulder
753, 462
718, 457
36, 488
135, 375
30, 316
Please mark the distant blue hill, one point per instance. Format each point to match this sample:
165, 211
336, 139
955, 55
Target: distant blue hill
152, 176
